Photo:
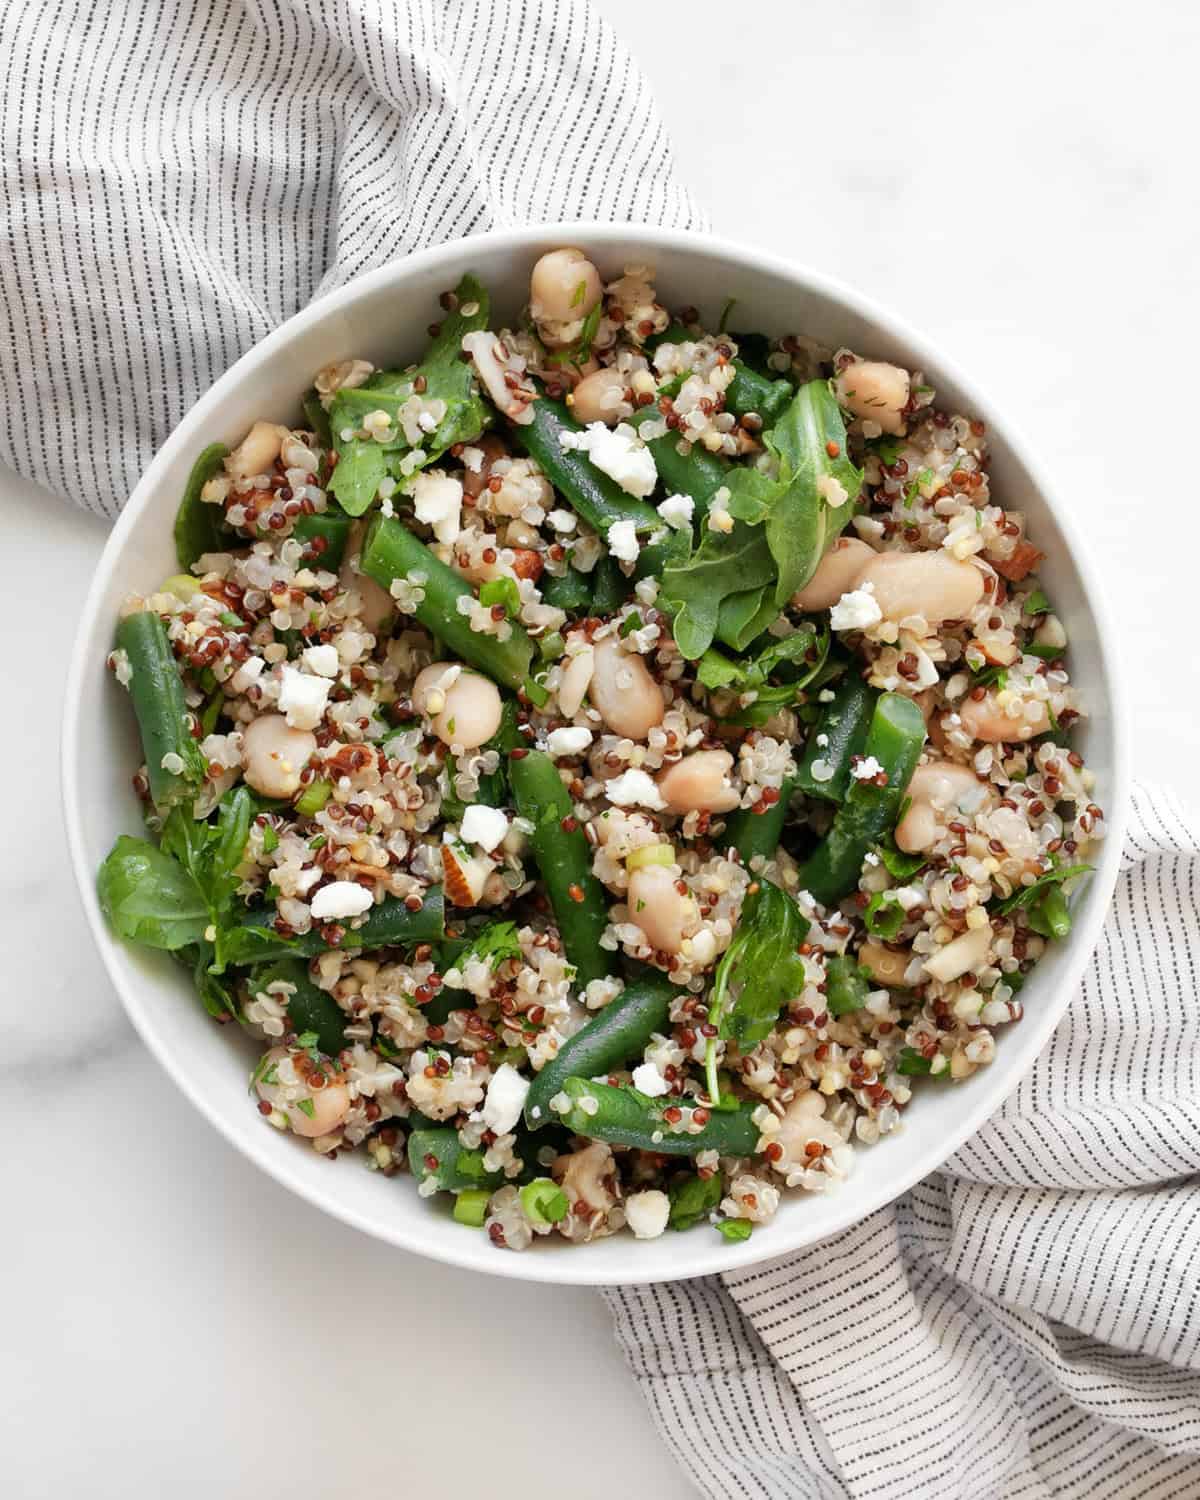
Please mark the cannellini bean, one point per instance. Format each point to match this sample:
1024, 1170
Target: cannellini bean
575, 681
886, 965
257, 451
937, 788
376, 604
330, 1104
599, 397
656, 906
465, 707
965, 952
563, 287
875, 392
700, 783
985, 719
274, 754
930, 584
837, 573
623, 692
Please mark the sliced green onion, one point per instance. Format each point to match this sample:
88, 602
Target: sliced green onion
649, 854
313, 798
544, 1201
470, 1207
551, 646
182, 585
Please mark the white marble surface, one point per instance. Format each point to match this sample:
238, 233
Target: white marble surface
1016, 179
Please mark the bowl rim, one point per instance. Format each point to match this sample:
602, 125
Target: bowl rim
567, 1269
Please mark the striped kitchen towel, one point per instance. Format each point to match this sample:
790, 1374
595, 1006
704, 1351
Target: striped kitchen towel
180, 176
1024, 1324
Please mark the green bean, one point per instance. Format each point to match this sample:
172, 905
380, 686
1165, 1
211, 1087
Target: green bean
309, 1008
388, 925
611, 1038
846, 987
624, 1117
157, 692
758, 833
1051, 917
564, 859
895, 739
439, 1154
333, 528
200, 527
697, 473
842, 725
390, 551
572, 591
591, 493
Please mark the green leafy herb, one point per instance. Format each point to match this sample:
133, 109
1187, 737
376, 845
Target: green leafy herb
309, 1042
502, 591
578, 352
692, 1199
990, 677
537, 694
364, 462
1028, 895
270, 839
736, 1229
887, 450
913, 1064
579, 293
494, 943
900, 866
723, 322
759, 972
307, 1107
631, 622
1035, 604
724, 564
150, 898
801, 656
884, 916
915, 485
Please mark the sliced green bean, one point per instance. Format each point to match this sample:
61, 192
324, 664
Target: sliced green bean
571, 591
846, 987
591, 493
156, 689
309, 1008
390, 551
624, 1117
610, 1039
758, 833
333, 529
1051, 916
697, 473
564, 859
439, 1154
895, 739
610, 587
200, 527
842, 725
388, 925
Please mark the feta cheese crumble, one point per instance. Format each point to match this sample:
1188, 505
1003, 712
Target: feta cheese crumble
634, 788
505, 1099
855, 611
619, 453
302, 698
623, 542
437, 500
677, 511
486, 827
866, 768
649, 1081
647, 1213
341, 899
569, 741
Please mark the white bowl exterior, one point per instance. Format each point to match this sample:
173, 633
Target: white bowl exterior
382, 316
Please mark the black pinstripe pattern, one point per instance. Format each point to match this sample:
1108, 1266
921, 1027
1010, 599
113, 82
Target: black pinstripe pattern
180, 177
1026, 1323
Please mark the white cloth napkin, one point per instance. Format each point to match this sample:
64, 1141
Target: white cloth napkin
178, 179
180, 176
1026, 1323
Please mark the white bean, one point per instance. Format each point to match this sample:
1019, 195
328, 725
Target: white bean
656, 906
623, 692
928, 584
985, 719
937, 788
575, 681
965, 952
465, 708
274, 754
330, 1104
600, 397
886, 965
837, 573
875, 392
563, 287
257, 451
700, 783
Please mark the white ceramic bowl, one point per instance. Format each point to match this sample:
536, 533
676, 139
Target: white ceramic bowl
383, 317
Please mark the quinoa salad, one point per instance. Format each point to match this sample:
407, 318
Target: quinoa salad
606, 766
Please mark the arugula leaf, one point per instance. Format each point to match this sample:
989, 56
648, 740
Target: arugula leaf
736, 1229
809, 440
724, 564
150, 898
761, 969
363, 463
743, 617
692, 1199
717, 671
210, 853
900, 866
1028, 895
200, 527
